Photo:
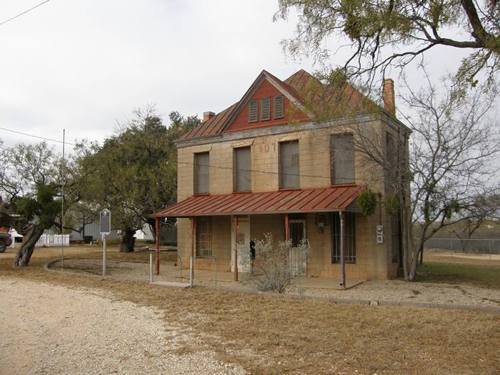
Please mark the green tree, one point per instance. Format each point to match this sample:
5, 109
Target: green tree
388, 33
134, 173
30, 179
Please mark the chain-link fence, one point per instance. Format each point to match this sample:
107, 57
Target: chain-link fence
473, 245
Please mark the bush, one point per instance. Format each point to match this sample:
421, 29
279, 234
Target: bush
272, 264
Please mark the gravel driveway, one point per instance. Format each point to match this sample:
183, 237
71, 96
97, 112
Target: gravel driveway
47, 329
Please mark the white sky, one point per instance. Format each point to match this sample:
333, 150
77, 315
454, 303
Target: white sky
83, 65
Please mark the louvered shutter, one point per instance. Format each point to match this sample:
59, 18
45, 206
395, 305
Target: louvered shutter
252, 111
265, 109
278, 107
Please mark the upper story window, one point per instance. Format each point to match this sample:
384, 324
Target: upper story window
253, 111
265, 109
278, 107
201, 173
242, 177
289, 165
342, 159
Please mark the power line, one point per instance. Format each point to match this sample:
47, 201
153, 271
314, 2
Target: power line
23, 12
261, 171
35, 136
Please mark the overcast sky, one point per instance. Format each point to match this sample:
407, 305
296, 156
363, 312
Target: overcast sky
83, 65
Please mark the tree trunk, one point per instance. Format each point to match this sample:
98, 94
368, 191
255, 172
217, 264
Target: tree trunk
421, 255
30, 239
128, 241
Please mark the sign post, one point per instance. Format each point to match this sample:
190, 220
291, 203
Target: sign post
105, 229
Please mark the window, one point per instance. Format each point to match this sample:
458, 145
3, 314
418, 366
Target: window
278, 107
289, 165
349, 237
396, 238
203, 237
253, 111
265, 109
242, 178
391, 164
201, 173
342, 159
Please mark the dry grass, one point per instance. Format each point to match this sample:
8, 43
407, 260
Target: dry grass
276, 334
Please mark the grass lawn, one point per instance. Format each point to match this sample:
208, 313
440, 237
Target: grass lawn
269, 334
456, 273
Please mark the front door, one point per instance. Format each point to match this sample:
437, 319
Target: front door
298, 254
242, 243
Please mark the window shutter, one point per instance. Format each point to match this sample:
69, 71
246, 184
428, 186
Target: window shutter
289, 165
278, 107
242, 166
252, 111
342, 159
265, 109
201, 173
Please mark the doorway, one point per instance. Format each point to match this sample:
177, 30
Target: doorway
242, 243
298, 254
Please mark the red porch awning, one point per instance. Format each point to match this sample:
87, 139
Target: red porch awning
335, 198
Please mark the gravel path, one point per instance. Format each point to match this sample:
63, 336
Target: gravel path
47, 329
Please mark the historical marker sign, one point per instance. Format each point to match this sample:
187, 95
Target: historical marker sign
105, 221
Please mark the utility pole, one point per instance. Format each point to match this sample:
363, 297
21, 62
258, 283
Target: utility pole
63, 182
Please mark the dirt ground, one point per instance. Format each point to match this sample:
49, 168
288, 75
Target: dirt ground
289, 334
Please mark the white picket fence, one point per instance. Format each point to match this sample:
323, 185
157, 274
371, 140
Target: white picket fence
48, 240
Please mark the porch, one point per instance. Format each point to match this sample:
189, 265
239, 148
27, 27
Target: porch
218, 231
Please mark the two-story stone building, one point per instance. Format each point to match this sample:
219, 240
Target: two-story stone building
271, 163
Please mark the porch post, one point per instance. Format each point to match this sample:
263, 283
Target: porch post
287, 228
342, 245
157, 239
236, 230
193, 248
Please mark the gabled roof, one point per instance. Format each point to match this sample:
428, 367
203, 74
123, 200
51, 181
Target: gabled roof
300, 88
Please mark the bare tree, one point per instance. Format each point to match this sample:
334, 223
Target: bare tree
450, 167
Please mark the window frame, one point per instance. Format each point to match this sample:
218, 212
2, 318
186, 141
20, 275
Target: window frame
280, 165
333, 177
236, 188
208, 222
196, 177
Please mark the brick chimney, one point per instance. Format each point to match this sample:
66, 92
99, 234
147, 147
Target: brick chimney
208, 115
388, 95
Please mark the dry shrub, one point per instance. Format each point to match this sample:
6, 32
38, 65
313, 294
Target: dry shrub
272, 264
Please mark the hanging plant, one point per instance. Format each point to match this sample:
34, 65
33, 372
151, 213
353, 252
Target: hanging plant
367, 202
391, 204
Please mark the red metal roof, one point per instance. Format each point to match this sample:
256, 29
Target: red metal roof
335, 198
